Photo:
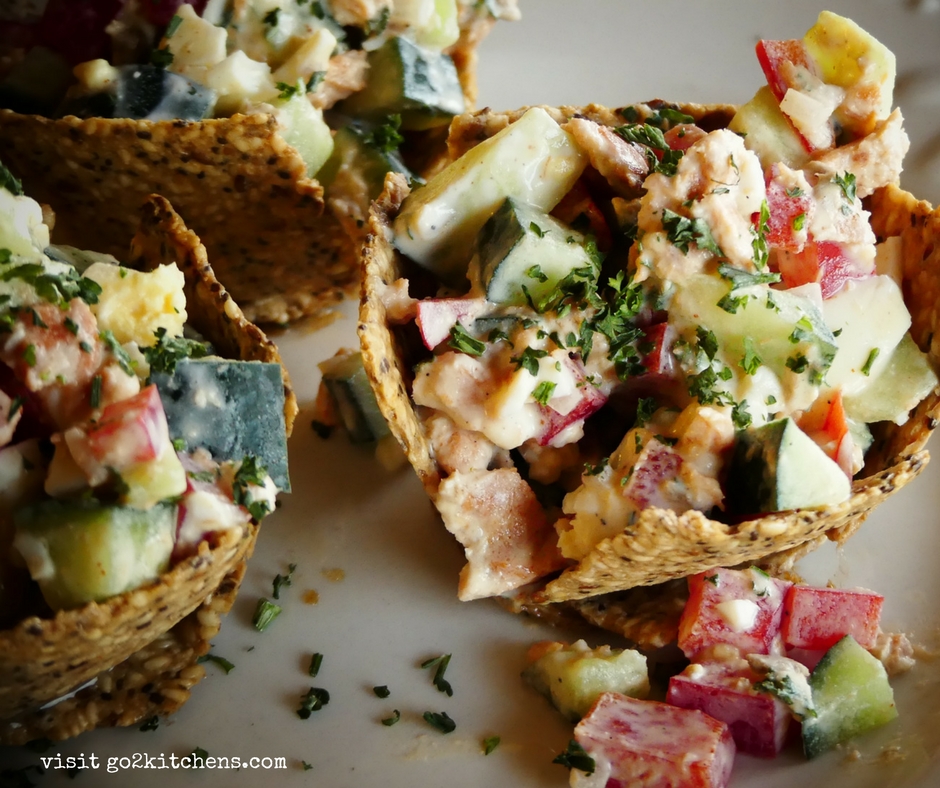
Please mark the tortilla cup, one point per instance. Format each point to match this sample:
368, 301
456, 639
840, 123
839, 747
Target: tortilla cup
274, 244
662, 545
138, 651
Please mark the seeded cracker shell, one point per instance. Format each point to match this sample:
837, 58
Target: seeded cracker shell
137, 651
663, 545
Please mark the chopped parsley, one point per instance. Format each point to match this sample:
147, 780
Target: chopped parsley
490, 743
741, 278
543, 392
172, 27
866, 370
462, 342
575, 757
529, 360
740, 416
702, 387
315, 79
802, 331
798, 363
94, 397
265, 613
251, 473
307, 766
283, 580
707, 341
597, 469
29, 355
381, 691
376, 26
386, 137
535, 272
682, 232
771, 400
10, 183
161, 58
222, 662
316, 661
16, 405
164, 354
645, 408
119, 353
652, 139
315, 699
846, 182
536, 230
57, 289
440, 666
799, 222
272, 18
288, 91
759, 248
440, 721
150, 724
389, 721
751, 361
715, 580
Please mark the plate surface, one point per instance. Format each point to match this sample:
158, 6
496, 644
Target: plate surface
383, 569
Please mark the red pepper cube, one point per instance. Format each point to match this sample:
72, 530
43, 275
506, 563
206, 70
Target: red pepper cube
739, 608
642, 742
817, 618
773, 55
758, 721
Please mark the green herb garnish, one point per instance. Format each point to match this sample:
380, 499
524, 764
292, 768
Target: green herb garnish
167, 351
751, 360
161, 58
462, 342
386, 137
490, 743
283, 580
529, 360
222, 662
265, 613
543, 392
381, 691
866, 370
682, 232
440, 721
315, 699
150, 724
315, 663
389, 721
575, 757
440, 666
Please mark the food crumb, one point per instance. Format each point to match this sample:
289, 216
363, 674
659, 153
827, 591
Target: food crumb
892, 753
334, 575
310, 597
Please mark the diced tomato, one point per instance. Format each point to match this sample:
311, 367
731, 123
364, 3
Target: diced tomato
826, 423
740, 608
437, 316
817, 618
647, 743
826, 262
591, 400
789, 212
772, 55
128, 433
577, 205
758, 721
684, 136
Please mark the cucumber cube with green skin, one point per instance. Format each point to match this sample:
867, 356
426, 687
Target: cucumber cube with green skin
85, 551
302, 127
522, 254
346, 381
153, 93
230, 408
355, 157
533, 161
404, 79
574, 677
852, 696
777, 467
904, 382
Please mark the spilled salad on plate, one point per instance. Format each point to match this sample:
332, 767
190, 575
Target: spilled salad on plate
644, 359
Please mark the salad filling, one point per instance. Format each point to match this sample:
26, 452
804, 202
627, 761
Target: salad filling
649, 315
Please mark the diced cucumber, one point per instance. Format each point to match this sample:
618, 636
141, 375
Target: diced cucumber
767, 131
303, 128
433, 23
532, 160
852, 695
904, 382
573, 677
346, 381
355, 158
148, 483
866, 344
85, 551
420, 85
230, 408
777, 467
522, 254
784, 327
153, 93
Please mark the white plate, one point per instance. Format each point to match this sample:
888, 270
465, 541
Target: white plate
393, 603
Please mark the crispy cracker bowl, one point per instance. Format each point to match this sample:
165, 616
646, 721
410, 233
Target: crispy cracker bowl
516, 511
227, 122
112, 650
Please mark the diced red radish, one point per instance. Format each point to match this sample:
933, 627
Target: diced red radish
590, 400
206, 507
656, 465
826, 262
773, 55
76, 29
758, 721
437, 316
817, 618
126, 434
647, 743
684, 136
789, 213
656, 349
740, 608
